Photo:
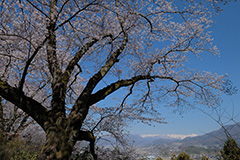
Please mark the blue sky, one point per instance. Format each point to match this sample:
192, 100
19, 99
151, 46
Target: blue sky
226, 34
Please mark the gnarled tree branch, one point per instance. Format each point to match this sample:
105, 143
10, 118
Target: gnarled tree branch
28, 105
101, 94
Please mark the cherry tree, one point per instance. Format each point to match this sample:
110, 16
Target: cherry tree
61, 58
12, 120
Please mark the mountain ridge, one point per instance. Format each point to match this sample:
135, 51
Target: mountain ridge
214, 138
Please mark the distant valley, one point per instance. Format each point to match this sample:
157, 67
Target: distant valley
166, 145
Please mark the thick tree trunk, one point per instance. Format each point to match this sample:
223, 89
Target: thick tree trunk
57, 146
60, 140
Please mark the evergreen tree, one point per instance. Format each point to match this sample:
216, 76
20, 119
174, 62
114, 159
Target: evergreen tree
231, 150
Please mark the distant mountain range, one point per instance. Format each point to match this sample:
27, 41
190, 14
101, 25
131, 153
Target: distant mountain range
166, 145
214, 138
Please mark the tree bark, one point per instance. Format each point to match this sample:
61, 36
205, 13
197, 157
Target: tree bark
60, 140
1, 116
57, 145
61, 136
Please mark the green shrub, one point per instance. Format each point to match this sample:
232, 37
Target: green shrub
24, 155
181, 156
205, 158
16, 149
